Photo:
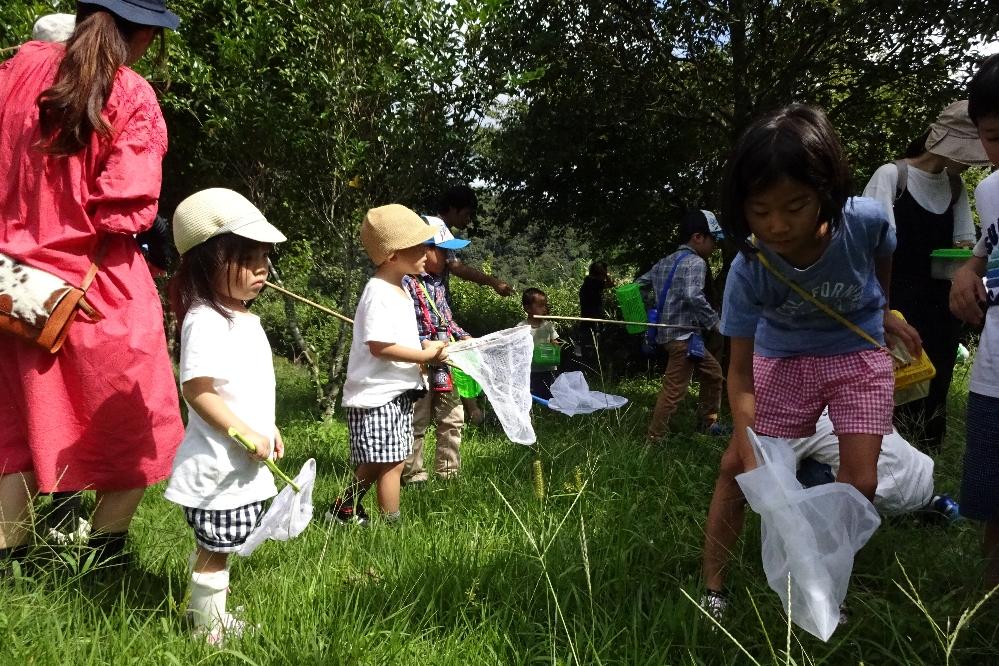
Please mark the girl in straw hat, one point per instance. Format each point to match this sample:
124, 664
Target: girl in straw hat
227, 379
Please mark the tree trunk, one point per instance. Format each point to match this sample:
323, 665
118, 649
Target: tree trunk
341, 348
300, 342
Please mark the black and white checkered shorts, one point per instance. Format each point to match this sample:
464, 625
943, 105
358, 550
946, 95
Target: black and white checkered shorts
381, 434
224, 531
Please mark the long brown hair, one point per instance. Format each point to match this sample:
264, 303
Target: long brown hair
70, 110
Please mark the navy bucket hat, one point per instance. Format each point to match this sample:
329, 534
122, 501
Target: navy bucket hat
141, 12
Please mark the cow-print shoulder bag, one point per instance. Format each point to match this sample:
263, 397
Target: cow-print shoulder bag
39, 307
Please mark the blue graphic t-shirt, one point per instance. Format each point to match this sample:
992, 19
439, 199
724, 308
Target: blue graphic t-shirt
758, 305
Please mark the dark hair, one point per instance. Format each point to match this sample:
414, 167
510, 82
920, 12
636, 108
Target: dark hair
796, 142
458, 197
693, 222
917, 147
598, 268
198, 269
70, 110
530, 294
983, 91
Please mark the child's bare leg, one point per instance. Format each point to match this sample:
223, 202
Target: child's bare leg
207, 561
389, 479
858, 462
725, 519
991, 552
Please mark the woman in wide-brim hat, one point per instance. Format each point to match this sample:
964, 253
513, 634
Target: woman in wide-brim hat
82, 140
927, 201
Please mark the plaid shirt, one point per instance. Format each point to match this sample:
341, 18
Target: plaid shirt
434, 287
686, 304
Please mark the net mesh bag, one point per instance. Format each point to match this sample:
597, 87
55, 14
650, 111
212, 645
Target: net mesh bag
572, 395
810, 535
501, 363
288, 515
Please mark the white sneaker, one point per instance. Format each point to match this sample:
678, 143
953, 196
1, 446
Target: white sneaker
715, 603
227, 627
78, 536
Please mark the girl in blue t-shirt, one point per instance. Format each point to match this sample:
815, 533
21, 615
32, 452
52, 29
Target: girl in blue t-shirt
785, 202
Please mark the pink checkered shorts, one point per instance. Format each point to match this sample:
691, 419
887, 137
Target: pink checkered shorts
791, 393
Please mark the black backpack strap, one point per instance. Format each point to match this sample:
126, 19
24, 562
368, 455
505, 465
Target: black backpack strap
903, 177
956, 186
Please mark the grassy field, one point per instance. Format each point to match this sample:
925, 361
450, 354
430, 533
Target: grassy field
482, 570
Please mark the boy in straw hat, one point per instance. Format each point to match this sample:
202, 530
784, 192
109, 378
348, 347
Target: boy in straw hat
383, 369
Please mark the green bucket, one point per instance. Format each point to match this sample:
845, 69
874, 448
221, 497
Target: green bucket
546, 354
629, 298
467, 387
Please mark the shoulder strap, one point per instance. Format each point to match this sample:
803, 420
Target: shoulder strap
956, 186
903, 177
667, 285
88, 279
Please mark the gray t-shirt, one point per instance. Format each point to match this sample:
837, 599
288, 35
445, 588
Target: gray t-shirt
757, 305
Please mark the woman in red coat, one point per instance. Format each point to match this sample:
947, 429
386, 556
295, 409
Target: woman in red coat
82, 140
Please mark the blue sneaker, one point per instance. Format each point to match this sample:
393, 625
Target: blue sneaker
947, 507
717, 429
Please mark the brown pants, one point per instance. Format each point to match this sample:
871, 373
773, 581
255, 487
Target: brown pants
679, 370
447, 413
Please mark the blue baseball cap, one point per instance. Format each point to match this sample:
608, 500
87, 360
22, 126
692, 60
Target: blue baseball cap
443, 238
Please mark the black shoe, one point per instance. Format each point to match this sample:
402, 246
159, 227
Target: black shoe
346, 514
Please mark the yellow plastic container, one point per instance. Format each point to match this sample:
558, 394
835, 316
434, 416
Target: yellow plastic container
629, 298
912, 379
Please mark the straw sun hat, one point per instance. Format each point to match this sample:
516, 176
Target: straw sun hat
391, 228
217, 211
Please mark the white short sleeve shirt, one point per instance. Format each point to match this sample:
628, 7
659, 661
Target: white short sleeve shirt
211, 471
384, 314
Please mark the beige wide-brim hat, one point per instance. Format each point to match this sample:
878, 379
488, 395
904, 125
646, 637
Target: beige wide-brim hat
953, 135
218, 211
391, 228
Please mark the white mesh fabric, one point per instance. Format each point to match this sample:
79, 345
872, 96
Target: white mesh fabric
288, 515
572, 395
809, 534
501, 363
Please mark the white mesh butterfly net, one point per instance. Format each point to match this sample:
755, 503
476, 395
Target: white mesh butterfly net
501, 363
809, 534
288, 515
572, 395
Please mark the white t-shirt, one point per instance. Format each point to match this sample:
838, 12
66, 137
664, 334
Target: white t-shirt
930, 190
546, 333
210, 470
985, 371
384, 314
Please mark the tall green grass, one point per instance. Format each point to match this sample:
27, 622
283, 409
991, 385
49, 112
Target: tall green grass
483, 571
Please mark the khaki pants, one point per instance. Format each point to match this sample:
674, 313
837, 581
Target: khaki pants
679, 370
446, 412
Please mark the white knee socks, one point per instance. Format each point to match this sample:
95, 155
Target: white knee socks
208, 598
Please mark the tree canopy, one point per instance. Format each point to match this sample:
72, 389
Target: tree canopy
586, 125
